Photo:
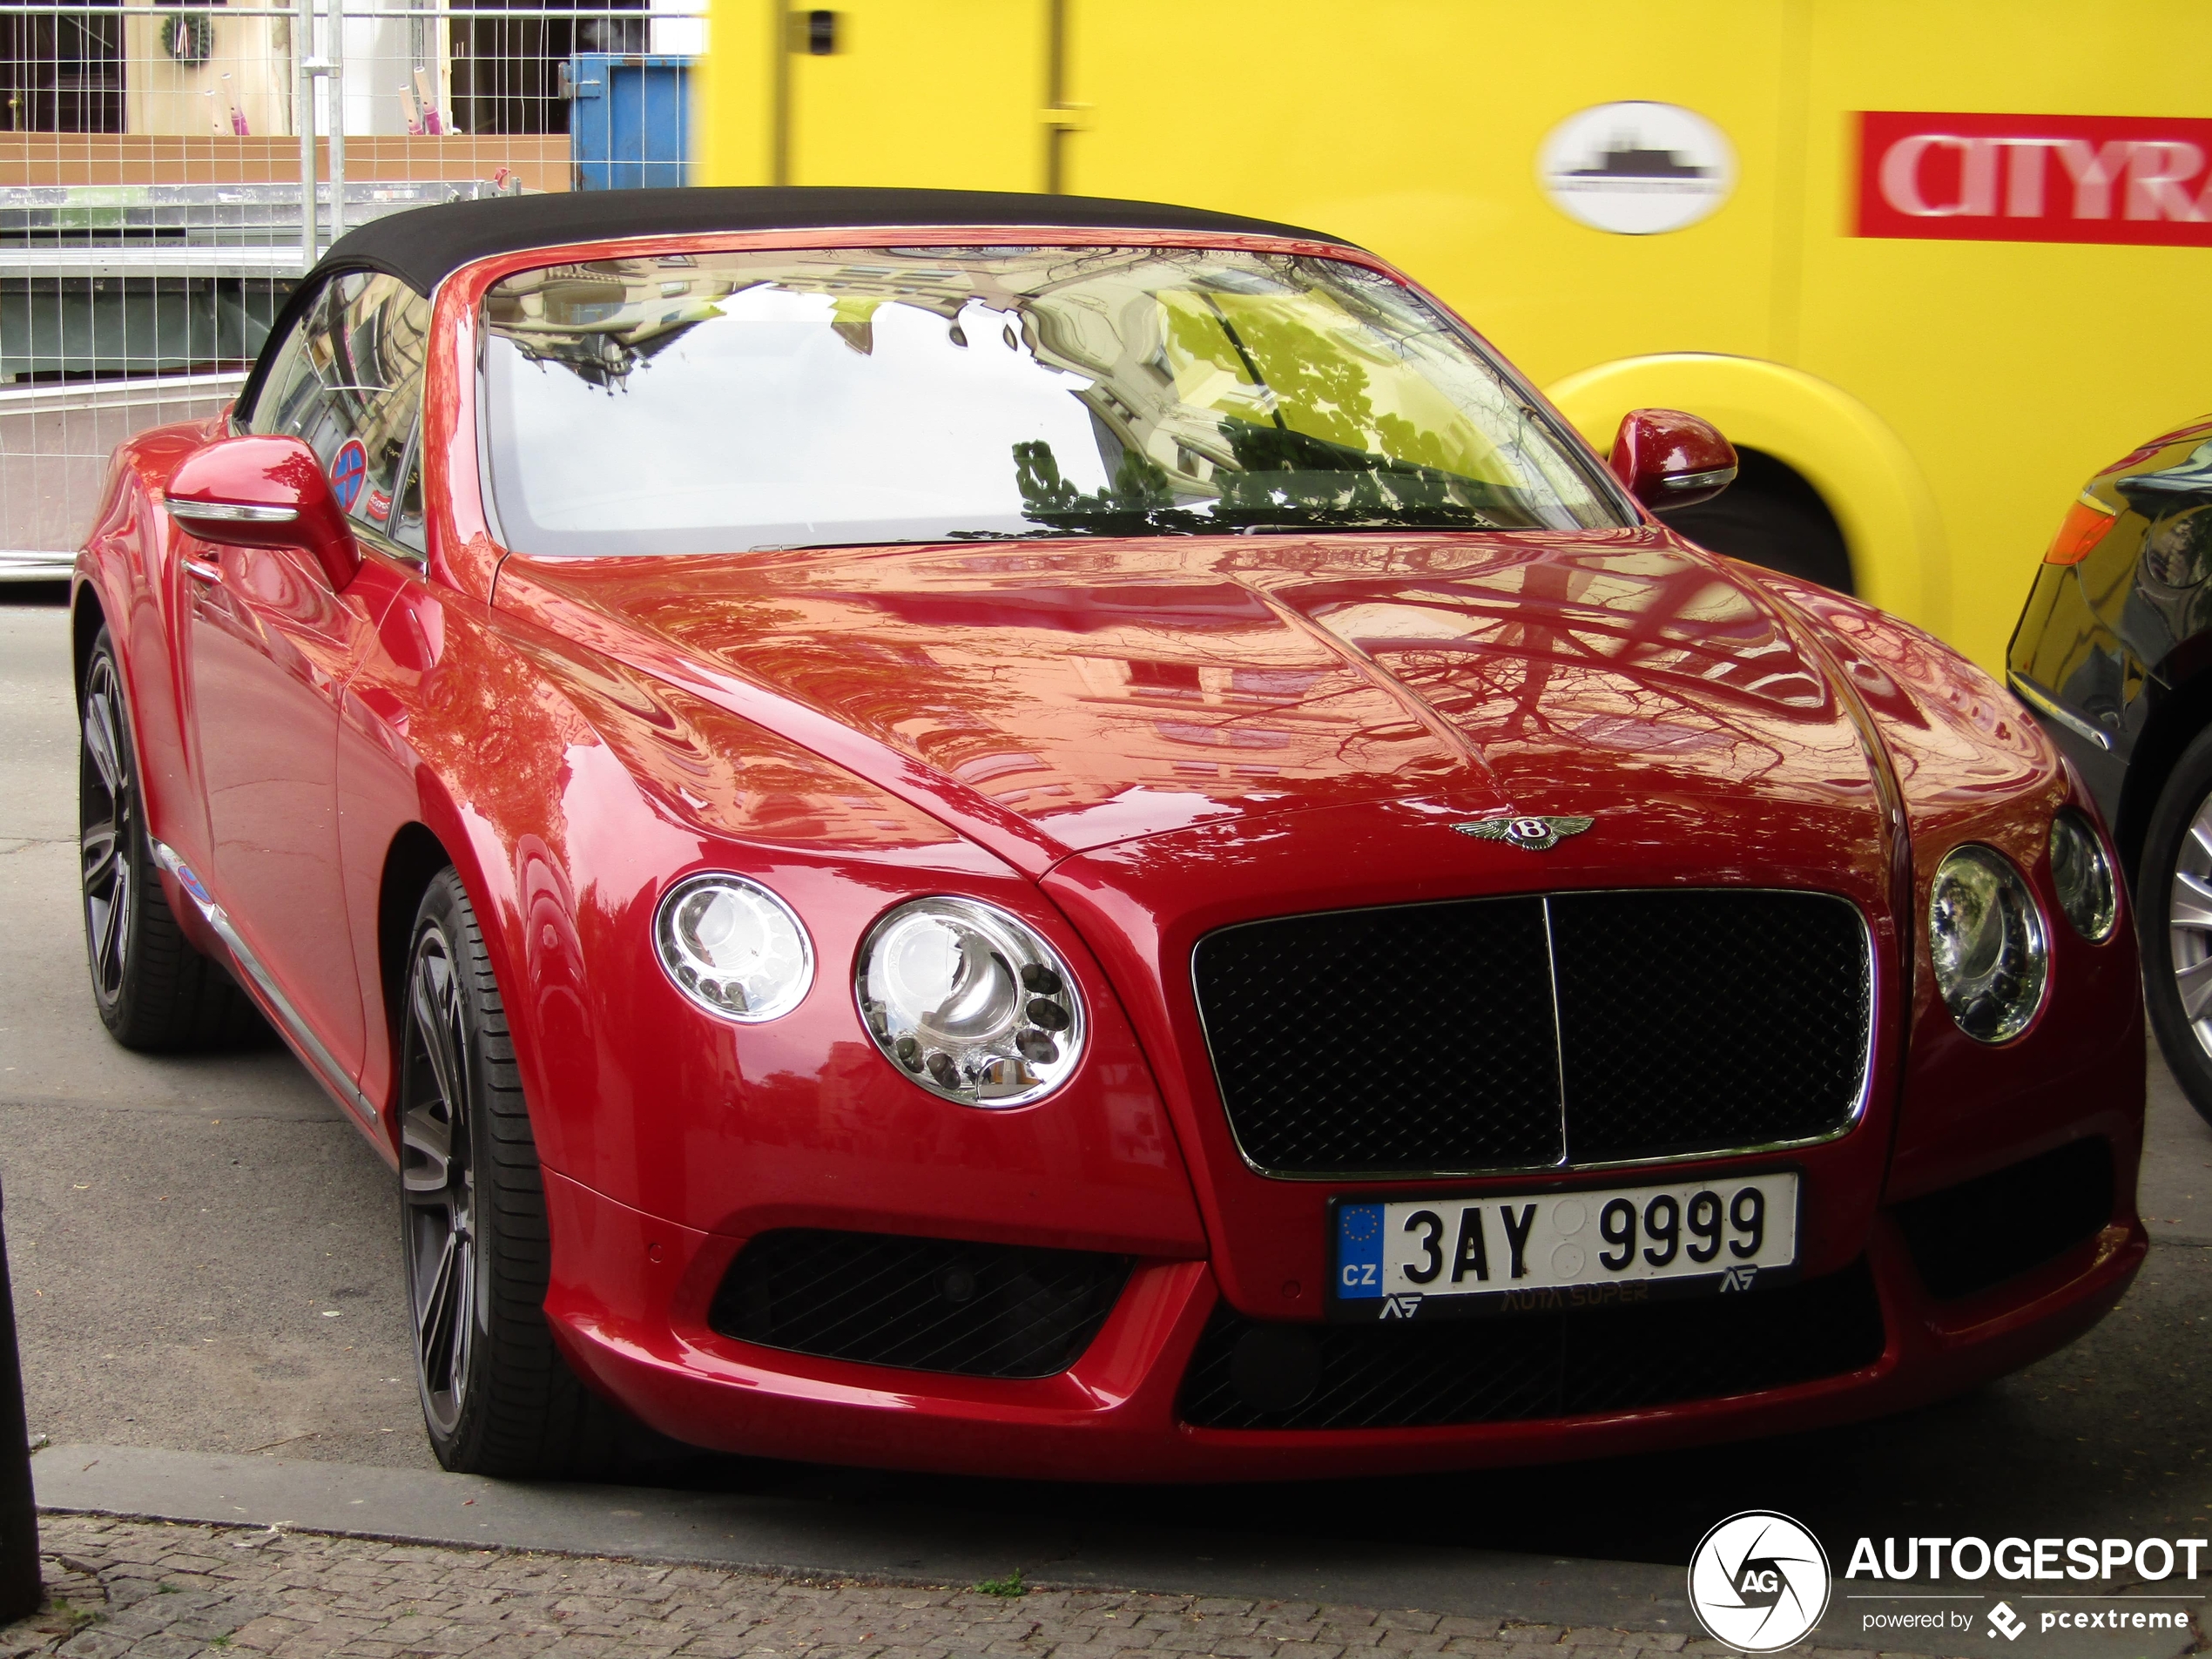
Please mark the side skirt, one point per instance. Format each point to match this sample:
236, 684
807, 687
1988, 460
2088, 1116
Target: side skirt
303, 1041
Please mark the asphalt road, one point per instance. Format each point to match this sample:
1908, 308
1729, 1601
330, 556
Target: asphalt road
205, 1259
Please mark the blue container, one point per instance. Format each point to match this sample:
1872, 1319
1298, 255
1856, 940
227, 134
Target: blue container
628, 120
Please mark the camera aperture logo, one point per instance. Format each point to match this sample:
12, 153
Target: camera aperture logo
1758, 1581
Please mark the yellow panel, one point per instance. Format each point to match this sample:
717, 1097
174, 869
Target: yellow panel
733, 123
2002, 374
1413, 127
2010, 370
941, 93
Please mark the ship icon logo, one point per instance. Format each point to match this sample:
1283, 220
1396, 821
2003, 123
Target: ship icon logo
1626, 160
1637, 169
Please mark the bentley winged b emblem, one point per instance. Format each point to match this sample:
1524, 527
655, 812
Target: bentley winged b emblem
1530, 834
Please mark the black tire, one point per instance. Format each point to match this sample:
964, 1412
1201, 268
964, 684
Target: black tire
2174, 922
154, 992
497, 1399
1770, 517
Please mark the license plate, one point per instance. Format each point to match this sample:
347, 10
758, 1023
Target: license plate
1560, 1250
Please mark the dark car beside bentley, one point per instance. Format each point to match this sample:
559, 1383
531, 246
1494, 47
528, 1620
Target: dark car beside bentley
2113, 652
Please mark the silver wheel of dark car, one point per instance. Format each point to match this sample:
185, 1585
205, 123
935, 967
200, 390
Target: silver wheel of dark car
497, 1397
153, 989
2188, 924
2173, 914
438, 1180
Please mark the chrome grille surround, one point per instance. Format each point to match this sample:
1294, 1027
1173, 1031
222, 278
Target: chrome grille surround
1848, 944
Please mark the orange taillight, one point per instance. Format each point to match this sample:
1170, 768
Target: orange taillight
2085, 525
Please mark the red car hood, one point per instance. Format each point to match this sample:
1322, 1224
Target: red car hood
1053, 698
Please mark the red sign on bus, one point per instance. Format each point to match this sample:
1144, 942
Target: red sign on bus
2035, 178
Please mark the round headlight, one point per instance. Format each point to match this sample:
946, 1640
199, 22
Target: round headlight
2083, 877
970, 1002
1987, 936
733, 947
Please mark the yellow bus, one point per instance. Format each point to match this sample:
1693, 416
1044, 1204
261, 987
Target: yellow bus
1929, 266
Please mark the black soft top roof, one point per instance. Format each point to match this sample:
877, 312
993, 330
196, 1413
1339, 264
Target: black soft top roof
423, 245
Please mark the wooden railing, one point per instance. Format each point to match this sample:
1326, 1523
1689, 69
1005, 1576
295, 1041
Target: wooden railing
537, 162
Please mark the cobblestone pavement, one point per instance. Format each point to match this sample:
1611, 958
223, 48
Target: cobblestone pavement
155, 1591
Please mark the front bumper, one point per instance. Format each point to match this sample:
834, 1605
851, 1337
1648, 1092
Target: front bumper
630, 1294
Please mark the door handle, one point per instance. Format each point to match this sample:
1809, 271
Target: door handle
203, 569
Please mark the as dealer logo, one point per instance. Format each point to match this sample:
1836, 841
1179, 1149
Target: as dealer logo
1758, 1581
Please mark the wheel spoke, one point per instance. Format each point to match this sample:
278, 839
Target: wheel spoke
109, 916
425, 1149
102, 740
2191, 903
99, 916
119, 921
437, 1328
98, 847
2195, 985
438, 1027
464, 1314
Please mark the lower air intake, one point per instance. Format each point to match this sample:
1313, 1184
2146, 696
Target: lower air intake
1521, 1367
920, 1304
1982, 1232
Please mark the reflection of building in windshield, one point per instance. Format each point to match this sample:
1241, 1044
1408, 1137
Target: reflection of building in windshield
601, 321
1182, 353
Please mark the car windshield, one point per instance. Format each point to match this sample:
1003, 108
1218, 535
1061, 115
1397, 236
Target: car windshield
730, 401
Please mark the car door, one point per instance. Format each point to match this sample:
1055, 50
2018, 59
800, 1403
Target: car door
270, 644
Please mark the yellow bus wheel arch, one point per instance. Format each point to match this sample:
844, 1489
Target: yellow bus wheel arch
1863, 471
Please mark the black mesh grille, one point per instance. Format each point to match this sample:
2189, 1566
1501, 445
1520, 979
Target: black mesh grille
923, 1304
1968, 1237
1421, 1039
1698, 1020
1517, 1367
1407, 1038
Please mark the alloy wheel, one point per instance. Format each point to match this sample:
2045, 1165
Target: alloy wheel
2188, 923
438, 1179
106, 822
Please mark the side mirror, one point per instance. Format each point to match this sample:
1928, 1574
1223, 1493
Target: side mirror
264, 492
1669, 459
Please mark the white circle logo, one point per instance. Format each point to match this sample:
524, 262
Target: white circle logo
1636, 168
1758, 1581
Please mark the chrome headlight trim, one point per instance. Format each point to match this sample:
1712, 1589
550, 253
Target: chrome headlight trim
968, 1002
2082, 875
1989, 942
767, 961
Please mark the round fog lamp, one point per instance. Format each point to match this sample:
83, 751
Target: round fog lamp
1985, 934
969, 1002
733, 947
2083, 875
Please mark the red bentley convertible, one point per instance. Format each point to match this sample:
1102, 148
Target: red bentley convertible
1079, 838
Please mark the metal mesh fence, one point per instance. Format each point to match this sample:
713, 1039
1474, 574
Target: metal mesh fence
167, 172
